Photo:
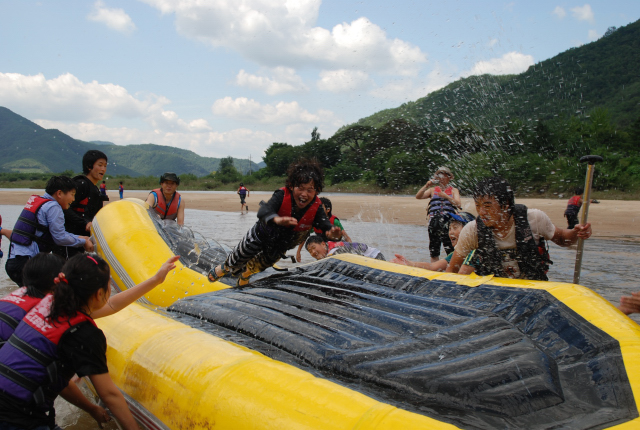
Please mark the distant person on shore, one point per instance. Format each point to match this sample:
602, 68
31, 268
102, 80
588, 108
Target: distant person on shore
121, 190
509, 239
103, 189
444, 200
283, 223
88, 200
319, 248
456, 224
41, 227
573, 207
326, 205
166, 201
243, 192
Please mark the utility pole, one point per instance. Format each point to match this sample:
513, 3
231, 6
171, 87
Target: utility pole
250, 164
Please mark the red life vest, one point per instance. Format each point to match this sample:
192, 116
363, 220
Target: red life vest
13, 308
332, 220
161, 207
575, 201
31, 354
306, 222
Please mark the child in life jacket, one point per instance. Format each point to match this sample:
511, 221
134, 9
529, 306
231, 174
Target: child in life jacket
326, 204
284, 222
456, 224
60, 303
319, 248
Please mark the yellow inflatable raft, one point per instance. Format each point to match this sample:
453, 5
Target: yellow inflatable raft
356, 343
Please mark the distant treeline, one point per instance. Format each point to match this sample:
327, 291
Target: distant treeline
537, 158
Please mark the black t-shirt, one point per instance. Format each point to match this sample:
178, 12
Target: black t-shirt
81, 350
76, 222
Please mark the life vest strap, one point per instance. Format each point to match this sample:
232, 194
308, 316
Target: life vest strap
30, 351
9, 320
17, 378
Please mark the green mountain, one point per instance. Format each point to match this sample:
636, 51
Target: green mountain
27, 147
603, 74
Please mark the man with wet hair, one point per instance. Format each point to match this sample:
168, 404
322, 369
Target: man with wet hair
509, 238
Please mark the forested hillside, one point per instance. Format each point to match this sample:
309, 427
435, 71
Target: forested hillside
27, 147
530, 128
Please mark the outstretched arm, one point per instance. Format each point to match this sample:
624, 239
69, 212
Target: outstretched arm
630, 304
438, 266
180, 219
568, 237
122, 300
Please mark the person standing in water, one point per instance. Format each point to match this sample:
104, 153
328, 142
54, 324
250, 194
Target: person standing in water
166, 201
88, 200
243, 192
444, 200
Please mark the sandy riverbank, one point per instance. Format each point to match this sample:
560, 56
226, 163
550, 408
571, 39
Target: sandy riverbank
611, 219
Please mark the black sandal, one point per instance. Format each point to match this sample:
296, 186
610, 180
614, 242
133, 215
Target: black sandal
213, 276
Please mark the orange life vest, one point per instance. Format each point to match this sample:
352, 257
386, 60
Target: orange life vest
161, 208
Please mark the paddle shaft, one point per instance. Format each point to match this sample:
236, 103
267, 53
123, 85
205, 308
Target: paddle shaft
585, 213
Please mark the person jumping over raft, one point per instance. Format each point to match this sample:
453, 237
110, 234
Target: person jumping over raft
283, 223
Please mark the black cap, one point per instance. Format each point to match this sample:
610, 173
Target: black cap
170, 176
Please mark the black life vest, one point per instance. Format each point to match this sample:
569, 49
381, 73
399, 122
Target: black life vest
24, 231
438, 205
13, 308
306, 222
532, 258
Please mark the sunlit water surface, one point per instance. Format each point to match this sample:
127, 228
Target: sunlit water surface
608, 266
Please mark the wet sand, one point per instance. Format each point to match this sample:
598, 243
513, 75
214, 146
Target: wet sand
611, 219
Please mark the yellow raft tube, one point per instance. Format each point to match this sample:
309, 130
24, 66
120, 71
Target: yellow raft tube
180, 377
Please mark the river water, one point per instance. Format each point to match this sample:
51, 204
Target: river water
608, 266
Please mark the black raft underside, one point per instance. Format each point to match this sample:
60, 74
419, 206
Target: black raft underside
480, 358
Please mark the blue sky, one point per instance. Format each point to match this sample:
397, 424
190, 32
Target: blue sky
229, 77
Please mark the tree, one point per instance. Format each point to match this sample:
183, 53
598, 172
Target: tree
315, 136
278, 157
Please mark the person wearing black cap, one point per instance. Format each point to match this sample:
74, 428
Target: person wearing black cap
166, 201
456, 223
444, 200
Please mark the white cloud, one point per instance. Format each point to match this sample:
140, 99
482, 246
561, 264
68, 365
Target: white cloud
115, 19
559, 12
583, 13
67, 98
283, 80
281, 113
593, 35
339, 81
509, 63
281, 32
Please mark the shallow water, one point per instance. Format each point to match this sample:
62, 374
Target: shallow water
608, 266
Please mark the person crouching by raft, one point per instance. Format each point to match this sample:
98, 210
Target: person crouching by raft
444, 200
319, 248
283, 223
166, 201
509, 239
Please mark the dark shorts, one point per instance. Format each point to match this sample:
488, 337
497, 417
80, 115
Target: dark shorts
14, 268
242, 197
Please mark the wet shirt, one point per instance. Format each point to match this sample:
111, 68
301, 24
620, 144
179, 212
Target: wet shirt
83, 351
541, 226
76, 222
